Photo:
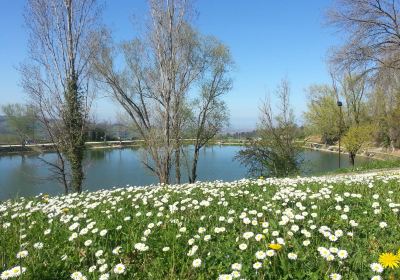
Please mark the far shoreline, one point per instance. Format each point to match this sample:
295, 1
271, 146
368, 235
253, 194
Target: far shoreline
15, 149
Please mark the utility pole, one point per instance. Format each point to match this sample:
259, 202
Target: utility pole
340, 104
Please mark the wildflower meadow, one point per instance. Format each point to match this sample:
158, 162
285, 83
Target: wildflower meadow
337, 227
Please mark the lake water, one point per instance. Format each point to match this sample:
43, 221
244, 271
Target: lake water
27, 175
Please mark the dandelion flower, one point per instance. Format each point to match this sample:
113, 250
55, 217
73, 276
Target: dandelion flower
275, 246
389, 260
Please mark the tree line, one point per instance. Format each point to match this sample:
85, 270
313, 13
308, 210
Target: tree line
361, 105
170, 81
365, 78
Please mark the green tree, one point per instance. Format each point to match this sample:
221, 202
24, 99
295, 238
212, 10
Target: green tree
355, 139
21, 119
323, 115
384, 106
276, 153
353, 88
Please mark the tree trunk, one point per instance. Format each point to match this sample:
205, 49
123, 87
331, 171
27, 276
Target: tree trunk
76, 136
193, 176
392, 146
163, 176
76, 158
63, 174
352, 157
178, 164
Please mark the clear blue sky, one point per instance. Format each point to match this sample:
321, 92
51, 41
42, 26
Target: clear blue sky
268, 39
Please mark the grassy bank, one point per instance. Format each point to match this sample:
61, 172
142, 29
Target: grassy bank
369, 165
304, 228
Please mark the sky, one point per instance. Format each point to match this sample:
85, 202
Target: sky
269, 40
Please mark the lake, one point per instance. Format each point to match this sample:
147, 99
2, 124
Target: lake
27, 175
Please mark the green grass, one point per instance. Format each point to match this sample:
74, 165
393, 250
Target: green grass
369, 165
360, 210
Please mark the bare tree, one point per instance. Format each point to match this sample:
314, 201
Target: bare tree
276, 153
57, 77
209, 112
160, 70
373, 34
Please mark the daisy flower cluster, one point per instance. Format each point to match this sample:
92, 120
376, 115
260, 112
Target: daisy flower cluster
332, 227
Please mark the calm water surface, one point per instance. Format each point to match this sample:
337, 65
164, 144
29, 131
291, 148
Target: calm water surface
27, 175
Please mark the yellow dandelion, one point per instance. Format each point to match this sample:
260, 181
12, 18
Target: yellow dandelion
274, 246
389, 260
45, 198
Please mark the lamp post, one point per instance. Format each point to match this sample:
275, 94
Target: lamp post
340, 104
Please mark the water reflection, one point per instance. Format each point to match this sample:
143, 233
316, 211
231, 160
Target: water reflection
27, 175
